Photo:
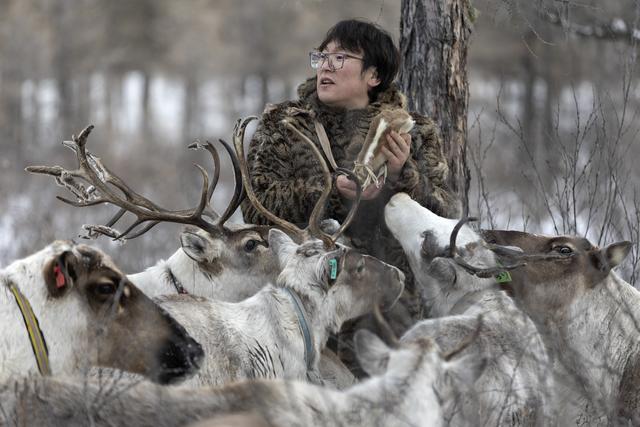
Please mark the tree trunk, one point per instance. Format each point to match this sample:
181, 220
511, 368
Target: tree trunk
11, 119
62, 63
434, 38
529, 110
146, 110
190, 125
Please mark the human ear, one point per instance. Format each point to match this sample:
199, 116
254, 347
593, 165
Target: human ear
372, 77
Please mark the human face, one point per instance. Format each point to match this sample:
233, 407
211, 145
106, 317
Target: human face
347, 87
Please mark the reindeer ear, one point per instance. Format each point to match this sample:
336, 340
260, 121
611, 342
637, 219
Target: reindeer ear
372, 353
282, 245
60, 274
615, 253
465, 370
198, 247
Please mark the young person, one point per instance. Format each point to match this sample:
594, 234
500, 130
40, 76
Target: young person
355, 65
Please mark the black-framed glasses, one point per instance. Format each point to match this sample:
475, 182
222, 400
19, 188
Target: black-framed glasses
335, 60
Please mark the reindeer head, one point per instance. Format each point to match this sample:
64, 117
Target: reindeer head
558, 268
370, 162
238, 257
90, 312
426, 238
341, 281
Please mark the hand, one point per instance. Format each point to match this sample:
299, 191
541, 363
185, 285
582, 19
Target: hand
397, 150
347, 189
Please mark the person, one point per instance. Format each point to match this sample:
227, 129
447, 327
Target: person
355, 65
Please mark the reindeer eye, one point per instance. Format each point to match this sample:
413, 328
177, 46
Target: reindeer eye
105, 289
250, 245
565, 250
360, 266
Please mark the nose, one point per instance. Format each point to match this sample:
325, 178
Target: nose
327, 64
180, 359
195, 353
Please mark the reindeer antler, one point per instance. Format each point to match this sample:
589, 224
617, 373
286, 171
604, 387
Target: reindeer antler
313, 228
105, 187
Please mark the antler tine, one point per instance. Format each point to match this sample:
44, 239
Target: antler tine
238, 142
92, 171
196, 145
318, 209
479, 272
485, 273
454, 234
354, 207
238, 189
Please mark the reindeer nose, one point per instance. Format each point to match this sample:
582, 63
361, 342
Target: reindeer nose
397, 198
194, 353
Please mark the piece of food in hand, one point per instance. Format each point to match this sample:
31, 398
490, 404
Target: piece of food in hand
371, 163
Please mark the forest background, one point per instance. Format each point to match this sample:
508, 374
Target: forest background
552, 123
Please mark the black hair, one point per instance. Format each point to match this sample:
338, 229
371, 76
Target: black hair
374, 42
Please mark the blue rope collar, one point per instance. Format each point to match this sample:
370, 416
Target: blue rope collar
304, 329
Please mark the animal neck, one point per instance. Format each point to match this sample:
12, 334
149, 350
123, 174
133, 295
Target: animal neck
169, 276
19, 356
311, 352
592, 338
311, 327
58, 325
463, 301
396, 396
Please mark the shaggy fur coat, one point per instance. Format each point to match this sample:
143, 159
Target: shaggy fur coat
287, 178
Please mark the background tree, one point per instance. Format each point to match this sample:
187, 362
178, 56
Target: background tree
549, 90
434, 41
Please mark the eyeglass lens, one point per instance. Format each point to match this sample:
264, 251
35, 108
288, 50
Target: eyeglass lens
336, 60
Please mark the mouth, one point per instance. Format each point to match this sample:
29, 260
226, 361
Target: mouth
325, 81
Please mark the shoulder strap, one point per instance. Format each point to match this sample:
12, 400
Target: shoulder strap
325, 144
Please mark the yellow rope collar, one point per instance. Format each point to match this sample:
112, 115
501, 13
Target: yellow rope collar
38, 344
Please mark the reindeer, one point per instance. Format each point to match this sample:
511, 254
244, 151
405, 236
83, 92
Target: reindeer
514, 388
407, 385
68, 307
588, 316
281, 330
201, 246
217, 259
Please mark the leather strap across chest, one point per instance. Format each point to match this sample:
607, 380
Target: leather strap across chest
325, 144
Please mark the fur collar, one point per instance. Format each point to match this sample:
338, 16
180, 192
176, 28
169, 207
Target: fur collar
392, 97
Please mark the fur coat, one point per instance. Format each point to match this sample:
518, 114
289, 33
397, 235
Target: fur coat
287, 178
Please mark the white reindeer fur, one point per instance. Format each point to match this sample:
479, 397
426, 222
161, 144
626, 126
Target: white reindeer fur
401, 392
595, 338
260, 336
63, 321
515, 388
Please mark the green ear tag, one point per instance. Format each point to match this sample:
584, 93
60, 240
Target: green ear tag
503, 277
333, 272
